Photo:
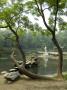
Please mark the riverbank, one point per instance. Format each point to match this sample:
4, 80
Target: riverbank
26, 83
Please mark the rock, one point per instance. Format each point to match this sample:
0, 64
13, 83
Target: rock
3, 72
12, 76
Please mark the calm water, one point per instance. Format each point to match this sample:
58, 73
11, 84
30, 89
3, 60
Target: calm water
51, 67
6, 64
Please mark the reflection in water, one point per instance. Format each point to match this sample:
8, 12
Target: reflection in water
6, 64
50, 69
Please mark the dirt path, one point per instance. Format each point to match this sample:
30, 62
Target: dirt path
28, 84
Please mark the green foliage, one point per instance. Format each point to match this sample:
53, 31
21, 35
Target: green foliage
63, 26
31, 7
34, 33
51, 22
25, 21
62, 4
29, 4
2, 2
65, 77
21, 32
53, 3
10, 14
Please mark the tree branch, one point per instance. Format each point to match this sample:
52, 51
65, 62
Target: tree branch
56, 16
18, 43
43, 17
14, 60
47, 8
38, 7
3, 26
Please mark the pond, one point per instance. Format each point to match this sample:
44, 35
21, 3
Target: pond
51, 68
5, 64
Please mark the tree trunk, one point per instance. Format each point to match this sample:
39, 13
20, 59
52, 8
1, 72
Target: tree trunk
21, 51
18, 43
60, 52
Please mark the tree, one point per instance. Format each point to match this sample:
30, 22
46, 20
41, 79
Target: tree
11, 17
56, 8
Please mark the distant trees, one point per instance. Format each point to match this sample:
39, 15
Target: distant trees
62, 38
37, 41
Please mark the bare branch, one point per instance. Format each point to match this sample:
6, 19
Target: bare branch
3, 26
47, 8
38, 7
43, 17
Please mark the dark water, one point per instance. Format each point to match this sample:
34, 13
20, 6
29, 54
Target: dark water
5, 64
51, 68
